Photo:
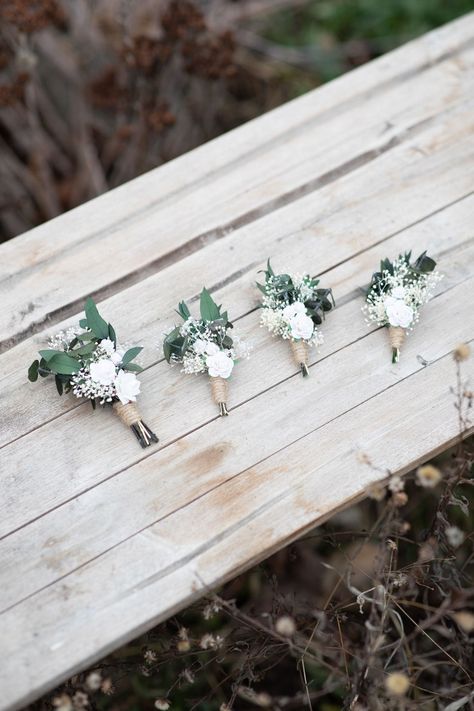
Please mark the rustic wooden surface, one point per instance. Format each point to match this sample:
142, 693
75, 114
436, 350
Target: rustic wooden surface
99, 540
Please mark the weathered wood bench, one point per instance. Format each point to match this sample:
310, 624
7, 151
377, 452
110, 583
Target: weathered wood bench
101, 540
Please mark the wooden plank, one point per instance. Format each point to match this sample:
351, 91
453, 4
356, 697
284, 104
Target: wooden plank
165, 388
86, 526
410, 175
172, 561
57, 262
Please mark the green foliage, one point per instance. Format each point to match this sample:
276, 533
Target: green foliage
63, 364
422, 265
321, 301
210, 311
333, 35
94, 321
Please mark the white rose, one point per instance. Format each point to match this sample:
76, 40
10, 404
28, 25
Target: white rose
103, 371
219, 365
200, 346
212, 349
292, 310
108, 346
127, 387
398, 313
301, 326
117, 356
398, 292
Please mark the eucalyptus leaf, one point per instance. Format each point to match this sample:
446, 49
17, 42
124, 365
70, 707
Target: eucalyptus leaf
95, 321
33, 371
208, 307
183, 310
63, 364
112, 334
59, 384
49, 353
133, 367
131, 354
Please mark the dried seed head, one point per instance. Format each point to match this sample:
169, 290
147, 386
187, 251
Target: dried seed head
285, 626
461, 352
397, 684
428, 476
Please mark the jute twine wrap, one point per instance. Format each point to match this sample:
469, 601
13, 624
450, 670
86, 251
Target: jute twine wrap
128, 413
300, 352
397, 337
219, 390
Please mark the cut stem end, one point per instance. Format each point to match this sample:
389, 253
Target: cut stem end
395, 355
304, 370
223, 411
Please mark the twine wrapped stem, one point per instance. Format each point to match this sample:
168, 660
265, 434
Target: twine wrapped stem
300, 354
397, 337
219, 394
131, 418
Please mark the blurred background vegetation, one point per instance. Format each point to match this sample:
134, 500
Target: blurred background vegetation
95, 92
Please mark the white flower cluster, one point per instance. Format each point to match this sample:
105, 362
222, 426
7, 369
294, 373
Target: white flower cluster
62, 339
100, 377
403, 293
290, 321
205, 352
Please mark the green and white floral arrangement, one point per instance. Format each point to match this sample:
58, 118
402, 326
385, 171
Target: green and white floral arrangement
293, 308
204, 345
88, 362
396, 294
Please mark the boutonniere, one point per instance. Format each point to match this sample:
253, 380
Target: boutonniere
293, 307
396, 294
203, 345
89, 362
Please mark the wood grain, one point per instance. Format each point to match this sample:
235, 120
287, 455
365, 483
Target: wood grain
108, 539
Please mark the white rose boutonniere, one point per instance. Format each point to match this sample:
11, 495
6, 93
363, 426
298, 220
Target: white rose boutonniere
396, 294
206, 345
294, 307
88, 364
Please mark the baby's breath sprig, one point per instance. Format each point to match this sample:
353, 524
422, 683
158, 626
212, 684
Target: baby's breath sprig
204, 346
88, 362
396, 294
293, 307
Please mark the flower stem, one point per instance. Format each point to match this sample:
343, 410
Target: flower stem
304, 370
223, 411
395, 355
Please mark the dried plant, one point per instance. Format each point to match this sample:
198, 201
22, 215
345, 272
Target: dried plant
94, 93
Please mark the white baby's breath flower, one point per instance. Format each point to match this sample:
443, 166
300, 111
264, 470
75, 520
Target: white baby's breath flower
219, 365
127, 387
103, 371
